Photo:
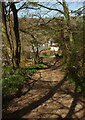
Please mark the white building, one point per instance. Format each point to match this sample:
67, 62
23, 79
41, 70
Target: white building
54, 48
50, 44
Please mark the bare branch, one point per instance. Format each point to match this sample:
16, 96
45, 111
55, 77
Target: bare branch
25, 6
21, 6
59, 2
51, 8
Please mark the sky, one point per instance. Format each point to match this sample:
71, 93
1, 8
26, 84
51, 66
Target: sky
61, 0
29, 13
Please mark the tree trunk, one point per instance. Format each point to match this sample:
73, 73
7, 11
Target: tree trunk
5, 24
16, 31
35, 56
66, 13
83, 54
69, 38
13, 56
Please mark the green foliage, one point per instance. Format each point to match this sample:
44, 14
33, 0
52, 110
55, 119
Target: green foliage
74, 58
37, 66
12, 81
63, 67
31, 70
48, 56
78, 83
75, 67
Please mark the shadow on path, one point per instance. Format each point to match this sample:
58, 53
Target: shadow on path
20, 113
61, 88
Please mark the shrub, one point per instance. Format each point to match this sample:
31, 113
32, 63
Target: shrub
12, 81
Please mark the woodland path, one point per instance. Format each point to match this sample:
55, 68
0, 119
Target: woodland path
51, 96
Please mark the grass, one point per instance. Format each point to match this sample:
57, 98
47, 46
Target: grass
48, 56
34, 68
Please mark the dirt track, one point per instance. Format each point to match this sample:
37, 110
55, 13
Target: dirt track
50, 97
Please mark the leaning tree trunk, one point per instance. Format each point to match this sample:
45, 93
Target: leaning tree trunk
69, 39
16, 31
68, 26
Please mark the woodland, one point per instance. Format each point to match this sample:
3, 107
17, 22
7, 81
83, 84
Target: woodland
43, 84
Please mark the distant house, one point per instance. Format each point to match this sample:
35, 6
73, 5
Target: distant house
50, 44
55, 48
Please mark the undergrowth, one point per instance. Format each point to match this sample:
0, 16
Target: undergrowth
14, 80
